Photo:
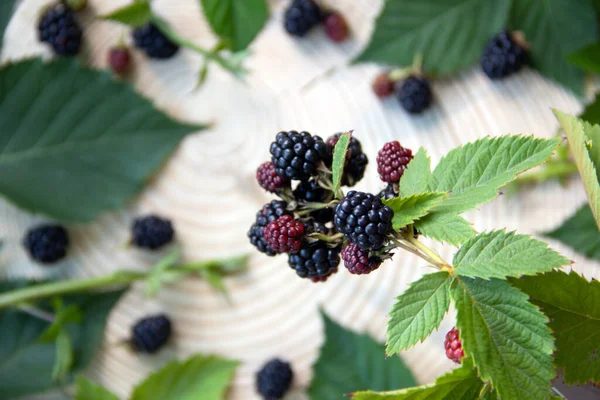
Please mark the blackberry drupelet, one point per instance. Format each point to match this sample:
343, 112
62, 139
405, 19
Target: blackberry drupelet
284, 235
502, 56
152, 232
153, 42
47, 243
151, 333
268, 178
383, 85
336, 27
364, 220
414, 94
357, 260
297, 155
59, 28
356, 161
311, 191
392, 160
301, 17
453, 346
274, 379
315, 261
389, 192
269, 213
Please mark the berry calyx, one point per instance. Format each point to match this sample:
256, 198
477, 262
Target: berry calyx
297, 155
153, 42
383, 85
392, 160
119, 59
76, 5
269, 213
356, 161
453, 346
152, 232
59, 28
284, 235
336, 27
414, 94
47, 244
151, 333
268, 178
274, 379
503, 56
315, 261
301, 17
357, 260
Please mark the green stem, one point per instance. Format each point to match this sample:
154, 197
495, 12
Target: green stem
412, 249
438, 261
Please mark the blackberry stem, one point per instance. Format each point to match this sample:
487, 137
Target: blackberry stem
438, 261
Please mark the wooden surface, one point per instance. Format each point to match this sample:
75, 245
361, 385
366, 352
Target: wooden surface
208, 189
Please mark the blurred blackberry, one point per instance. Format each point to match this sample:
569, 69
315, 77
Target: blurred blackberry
414, 94
151, 333
356, 161
314, 226
336, 27
274, 379
59, 28
119, 59
357, 260
47, 243
388, 192
297, 155
311, 191
502, 56
324, 215
152, 232
301, 17
383, 85
153, 42
315, 260
269, 213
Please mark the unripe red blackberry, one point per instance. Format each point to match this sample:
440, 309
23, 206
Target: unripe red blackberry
453, 346
383, 86
336, 27
357, 260
284, 235
392, 160
268, 179
119, 59
269, 213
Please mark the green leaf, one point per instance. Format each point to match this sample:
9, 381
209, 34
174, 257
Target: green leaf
236, 21
580, 232
339, 160
445, 227
473, 173
349, 361
591, 113
406, 28
573, 306
160, 273
549, 29
206, 377
135, 14
64, 124
500, 254
506, 336
409, 209
6, 11
577, 132
88, 390
460, 384
64, 357
587, 58
27, 362
418, 311
415, 178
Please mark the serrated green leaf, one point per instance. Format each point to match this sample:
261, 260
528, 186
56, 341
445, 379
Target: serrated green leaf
460, 384
500, 254
339, 160
418, 311
236, 21
206, 377
410, 208
591, 113
580, 232
576, 131
587, 58
474, 173
6, 11
135, 14
406, 28
64, 124
415, 178
573, 305
88, 390
349, 361
445, 227
506, 336
549, 29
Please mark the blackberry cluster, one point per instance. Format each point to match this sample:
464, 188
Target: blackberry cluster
152, 232
47, 243
356, 160
274, 379
503, 56
59, 28
151, 333
301, 17
453, 346
298, 155
153, 42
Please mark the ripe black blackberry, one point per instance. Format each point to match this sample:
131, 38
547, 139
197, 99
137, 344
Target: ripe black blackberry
392, 160
152, 232
315, 260
59, 28
274, 379
297, 155
284, 235
311, 191
357, 260
151, 333
269, 213
414, 94
268, 178
389, 192
153, 42
364, 220
301, 17
356, 161
47, 243
502, 56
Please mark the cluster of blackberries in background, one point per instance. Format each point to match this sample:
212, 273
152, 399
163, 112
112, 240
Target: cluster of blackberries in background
303, 15
503, 56
308, 223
